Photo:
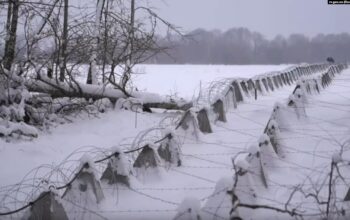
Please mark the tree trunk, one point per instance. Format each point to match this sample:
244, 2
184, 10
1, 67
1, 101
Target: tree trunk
11, 28
92, 74
64, 42
128, 66
105, 43
64, 89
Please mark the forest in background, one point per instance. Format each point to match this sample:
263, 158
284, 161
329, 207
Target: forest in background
242, 46
234, 46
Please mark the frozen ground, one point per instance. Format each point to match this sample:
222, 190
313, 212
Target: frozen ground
185, 80
308, 144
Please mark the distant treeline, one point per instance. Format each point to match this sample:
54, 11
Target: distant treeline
242, 46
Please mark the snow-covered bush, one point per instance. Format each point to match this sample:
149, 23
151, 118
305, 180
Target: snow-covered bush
14, 115
23, 113
103, 104
129, 104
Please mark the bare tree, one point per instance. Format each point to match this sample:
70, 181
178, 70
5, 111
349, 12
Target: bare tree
127, 73
126, 42
64, 42
92, 74
11, 33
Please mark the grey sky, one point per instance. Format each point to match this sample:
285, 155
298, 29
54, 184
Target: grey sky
270, 17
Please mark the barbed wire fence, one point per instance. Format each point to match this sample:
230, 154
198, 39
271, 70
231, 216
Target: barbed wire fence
62, 176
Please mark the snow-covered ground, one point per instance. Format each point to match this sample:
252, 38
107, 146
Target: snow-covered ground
185, 80
308, 144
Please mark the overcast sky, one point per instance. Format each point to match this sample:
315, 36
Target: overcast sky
269, 17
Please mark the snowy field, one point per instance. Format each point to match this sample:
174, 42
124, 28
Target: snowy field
308, 139
185, 80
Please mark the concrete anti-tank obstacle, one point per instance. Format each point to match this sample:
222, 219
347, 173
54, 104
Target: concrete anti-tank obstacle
84, 182
291, 78
237, 91
219, 110
270, 84
47, 208
272, 130
287, 78
186, 120
251, 87
203, 121
147, 158
275, 82
116, 172
265, 84
256, 167
169, 150
283, 79
244, 87
279, 79
347, 197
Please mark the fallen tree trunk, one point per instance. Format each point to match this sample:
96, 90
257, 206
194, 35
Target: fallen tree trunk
55, 89
168, 105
